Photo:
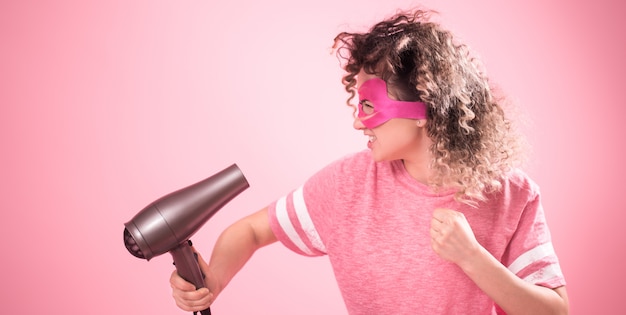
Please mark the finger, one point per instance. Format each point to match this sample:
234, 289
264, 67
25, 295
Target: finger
436, 223
197, 300
193, 305
440, 214
435, 244
198, 297
435, 226
434, 235
177, 282
186, 290
193, 300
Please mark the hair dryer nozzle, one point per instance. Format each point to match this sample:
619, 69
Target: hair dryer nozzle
131, 245
173, 219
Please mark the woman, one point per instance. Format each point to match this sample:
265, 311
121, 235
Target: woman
434, 218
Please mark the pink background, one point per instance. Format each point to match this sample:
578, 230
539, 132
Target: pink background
107, 106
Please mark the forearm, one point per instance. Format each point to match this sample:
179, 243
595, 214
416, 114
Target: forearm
512, 294
235, 246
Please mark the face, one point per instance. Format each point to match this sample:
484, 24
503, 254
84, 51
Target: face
375, 107
393, 132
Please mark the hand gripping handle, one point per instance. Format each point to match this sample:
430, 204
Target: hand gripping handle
186, 262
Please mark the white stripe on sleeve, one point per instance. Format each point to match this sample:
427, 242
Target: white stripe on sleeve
287, 226
546, 273
305, 220
531, 256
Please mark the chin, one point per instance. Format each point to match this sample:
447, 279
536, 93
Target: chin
385, 157
378, 157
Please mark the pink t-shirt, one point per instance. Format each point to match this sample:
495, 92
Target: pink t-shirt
373, 220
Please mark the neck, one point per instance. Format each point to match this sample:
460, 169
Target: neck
420, 171
418, 165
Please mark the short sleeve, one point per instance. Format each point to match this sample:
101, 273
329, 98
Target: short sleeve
304, 219
530, 254
292, 224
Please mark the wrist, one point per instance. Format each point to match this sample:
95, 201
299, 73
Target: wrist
212, 282
475, 260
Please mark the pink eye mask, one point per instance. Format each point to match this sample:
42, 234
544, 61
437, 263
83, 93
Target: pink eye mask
375, 91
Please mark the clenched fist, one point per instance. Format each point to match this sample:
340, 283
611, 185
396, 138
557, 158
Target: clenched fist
452, 237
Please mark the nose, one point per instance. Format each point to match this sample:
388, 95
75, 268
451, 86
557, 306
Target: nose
358, 124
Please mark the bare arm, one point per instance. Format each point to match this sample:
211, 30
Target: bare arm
453, 240
512, 294
232, 250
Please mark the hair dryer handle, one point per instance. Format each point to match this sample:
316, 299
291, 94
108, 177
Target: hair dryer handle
187, 266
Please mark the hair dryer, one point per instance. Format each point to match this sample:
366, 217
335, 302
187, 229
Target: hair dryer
166, 224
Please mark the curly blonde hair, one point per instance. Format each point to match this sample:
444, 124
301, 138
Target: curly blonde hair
474, 145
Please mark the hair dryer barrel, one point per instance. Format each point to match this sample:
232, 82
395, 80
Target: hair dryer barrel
174, 218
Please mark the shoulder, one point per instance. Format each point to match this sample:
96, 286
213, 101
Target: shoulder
352, 170
357, 159
358, 162
519, 179
518, 185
